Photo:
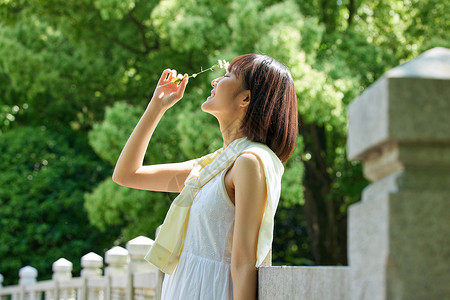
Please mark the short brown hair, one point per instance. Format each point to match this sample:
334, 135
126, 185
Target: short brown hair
272, 116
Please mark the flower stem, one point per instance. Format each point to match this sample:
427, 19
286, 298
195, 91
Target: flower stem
191, 76
202, 71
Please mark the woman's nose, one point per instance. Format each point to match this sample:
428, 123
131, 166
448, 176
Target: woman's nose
214, 82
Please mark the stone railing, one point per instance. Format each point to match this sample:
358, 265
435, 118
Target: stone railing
127, 276
399, 233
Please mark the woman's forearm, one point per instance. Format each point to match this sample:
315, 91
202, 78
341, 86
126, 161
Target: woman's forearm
132, 156
130, 161
244, 282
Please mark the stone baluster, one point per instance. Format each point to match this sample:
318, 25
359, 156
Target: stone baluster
1, 280
117, 260
92, 265
62, 270
399, 233
137, 249
27, 276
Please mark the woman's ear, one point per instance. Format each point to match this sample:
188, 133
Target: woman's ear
245, 98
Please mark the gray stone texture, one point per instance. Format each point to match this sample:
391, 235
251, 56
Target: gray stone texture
368, 243
303, 283
399, 234
410, 103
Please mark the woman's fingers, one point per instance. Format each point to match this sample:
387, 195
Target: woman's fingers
168, 75
163, 78
176, 87
182, 85
179, 78
172, 75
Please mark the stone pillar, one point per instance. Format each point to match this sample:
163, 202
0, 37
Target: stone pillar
62, 269
399, 234
27, 276
91, 264
117, 260
138, 248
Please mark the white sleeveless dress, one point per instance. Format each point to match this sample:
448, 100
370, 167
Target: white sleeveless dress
203, 271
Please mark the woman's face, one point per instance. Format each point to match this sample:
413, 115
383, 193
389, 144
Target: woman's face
226, 96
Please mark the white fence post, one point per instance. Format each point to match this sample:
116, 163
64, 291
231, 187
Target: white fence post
27, 277
137, 249
117, 260
62, 270
91, 264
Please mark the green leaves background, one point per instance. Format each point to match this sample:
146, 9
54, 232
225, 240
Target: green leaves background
78, 75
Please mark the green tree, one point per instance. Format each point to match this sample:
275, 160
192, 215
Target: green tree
62, 63
110, 205
43, 179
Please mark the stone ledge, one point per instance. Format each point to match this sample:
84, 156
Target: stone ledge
318, 283
409, 104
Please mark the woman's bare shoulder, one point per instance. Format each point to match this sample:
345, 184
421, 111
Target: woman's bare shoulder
248, 170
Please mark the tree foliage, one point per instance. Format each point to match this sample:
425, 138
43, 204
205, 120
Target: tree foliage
43, 179
135, 212
88, 68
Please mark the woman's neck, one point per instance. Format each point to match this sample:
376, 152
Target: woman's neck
230, 131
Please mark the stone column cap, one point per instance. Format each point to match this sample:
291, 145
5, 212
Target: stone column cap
139, 246
408, 104
432, 64
62, 265
27, 272
91, 260
116, 256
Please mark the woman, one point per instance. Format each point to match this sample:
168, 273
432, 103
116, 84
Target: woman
220, 228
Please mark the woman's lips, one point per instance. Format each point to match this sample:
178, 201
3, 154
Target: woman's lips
213, 93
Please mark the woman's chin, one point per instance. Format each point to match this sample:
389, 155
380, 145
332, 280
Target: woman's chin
206, 104
204, 107
208, 109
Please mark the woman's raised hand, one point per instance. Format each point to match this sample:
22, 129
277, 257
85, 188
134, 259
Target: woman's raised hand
167, 93
129, 170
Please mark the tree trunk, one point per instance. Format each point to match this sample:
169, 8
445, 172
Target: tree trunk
351, 12
327, 233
